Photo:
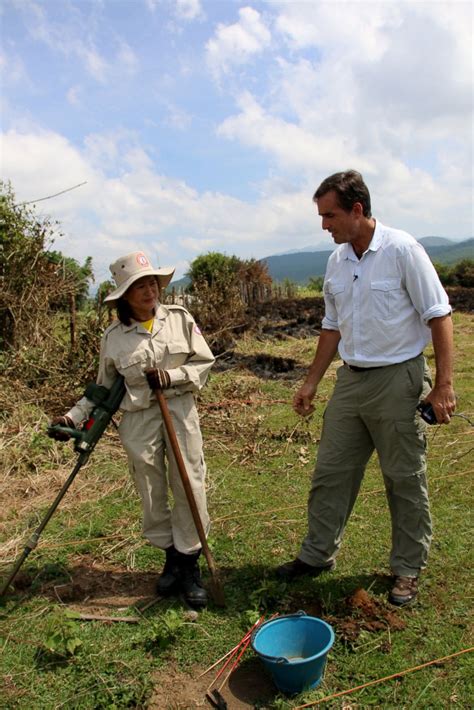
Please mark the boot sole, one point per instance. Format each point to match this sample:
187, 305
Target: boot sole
401, 602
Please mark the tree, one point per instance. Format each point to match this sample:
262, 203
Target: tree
221, 286
79, 277
445, 273
252, 271
315, 283
459, 274
33, 280
213, 268
464, 273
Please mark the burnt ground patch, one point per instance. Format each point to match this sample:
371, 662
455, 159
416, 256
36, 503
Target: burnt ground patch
287, 318
263, 365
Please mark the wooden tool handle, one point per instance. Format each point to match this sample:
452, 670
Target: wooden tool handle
184, 477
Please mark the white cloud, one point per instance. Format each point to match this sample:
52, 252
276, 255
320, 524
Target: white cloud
336, 85
177, 117
355, 27
73, 95
126, 58
236, 44
382, 87
152, 4
74, 38
293, 146
12, 68
189, 9
129, 205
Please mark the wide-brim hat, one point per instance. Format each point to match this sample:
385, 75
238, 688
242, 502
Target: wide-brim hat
131, 267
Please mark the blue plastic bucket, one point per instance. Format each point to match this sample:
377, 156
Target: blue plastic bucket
294, 650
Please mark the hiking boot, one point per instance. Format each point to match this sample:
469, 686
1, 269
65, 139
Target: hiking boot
190, 580
403, 591
168, 581
298, 568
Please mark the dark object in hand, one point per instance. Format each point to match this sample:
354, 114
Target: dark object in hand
157, 379
60, 435
427, 413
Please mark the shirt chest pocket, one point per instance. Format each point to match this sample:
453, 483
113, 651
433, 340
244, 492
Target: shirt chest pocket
132, 367
177, 354
385, 295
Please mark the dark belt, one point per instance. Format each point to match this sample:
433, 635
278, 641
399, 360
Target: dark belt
355, 368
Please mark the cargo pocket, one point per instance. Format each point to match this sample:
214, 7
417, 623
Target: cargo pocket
410, 448
384, 297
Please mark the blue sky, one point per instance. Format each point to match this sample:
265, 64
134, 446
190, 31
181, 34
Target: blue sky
202, 126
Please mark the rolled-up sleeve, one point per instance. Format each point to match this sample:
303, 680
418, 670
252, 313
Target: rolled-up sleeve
330, 320
423, 285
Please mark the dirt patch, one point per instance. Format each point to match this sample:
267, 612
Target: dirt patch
250, 686
357, 612
247, 687
92, 586
360, 611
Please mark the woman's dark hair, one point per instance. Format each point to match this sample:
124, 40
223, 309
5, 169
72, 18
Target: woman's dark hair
349, 187
124, 312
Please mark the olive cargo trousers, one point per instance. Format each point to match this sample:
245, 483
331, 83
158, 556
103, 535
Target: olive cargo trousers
373, 409
145, 440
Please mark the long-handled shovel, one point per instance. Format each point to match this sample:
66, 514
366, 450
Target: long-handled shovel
216, 586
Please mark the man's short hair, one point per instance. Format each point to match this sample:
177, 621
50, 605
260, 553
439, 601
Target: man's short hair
349, 187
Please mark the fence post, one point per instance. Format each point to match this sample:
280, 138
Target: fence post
72, 324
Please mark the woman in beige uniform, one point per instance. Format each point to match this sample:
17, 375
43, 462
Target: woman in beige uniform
153, 345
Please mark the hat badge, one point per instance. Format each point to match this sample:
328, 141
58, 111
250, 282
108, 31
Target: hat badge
142, 260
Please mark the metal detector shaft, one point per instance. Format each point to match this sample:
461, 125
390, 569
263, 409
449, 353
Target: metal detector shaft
33, 541
106, 401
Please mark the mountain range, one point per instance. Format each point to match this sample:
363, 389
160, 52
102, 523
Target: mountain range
299, 265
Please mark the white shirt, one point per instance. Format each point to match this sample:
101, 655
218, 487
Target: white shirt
382, 302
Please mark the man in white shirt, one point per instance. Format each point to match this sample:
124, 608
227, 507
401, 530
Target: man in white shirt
383, 303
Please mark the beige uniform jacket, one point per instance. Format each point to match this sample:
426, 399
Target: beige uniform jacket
175, 344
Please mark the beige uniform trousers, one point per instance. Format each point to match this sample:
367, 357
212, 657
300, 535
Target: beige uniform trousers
373, 409
145, 440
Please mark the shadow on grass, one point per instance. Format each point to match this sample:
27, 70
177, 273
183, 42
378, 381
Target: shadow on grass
250, 587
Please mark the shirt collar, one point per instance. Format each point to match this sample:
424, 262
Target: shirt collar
376, 241
161, 314
374, 245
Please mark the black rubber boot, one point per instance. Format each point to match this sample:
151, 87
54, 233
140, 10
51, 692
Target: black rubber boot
190, 580
168, 581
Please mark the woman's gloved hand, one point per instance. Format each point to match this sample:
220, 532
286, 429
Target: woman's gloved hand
158, 379
59, 435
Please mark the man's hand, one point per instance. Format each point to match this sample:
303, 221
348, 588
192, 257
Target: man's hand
443, 401
302, 401
59, 435
157, 379
442, 397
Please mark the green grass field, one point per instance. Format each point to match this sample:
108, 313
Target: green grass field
92, 560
